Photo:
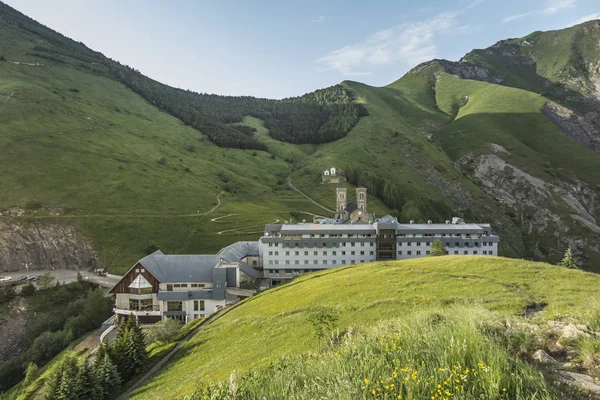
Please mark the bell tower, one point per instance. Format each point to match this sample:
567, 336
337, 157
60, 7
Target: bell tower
340, 205
361, 199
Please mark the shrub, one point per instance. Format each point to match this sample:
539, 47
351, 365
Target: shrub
191, 147
33, 205
28, 290
74, 90
151, 248
163, 161
2, 58
165, 331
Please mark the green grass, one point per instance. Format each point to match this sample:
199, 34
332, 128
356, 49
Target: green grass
442, 354
274, 324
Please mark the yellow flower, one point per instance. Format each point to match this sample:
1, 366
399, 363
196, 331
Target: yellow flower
366, 381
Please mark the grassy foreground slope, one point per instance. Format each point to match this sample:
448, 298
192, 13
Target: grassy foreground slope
275, 323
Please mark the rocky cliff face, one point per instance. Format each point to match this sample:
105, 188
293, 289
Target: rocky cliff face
42, 245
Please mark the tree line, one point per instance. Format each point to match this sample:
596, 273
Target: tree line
404, 208
322, 116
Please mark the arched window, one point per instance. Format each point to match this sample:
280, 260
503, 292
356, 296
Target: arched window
362, 195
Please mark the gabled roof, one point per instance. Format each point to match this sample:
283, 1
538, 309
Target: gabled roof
180, 268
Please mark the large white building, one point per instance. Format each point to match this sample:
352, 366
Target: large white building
287, 250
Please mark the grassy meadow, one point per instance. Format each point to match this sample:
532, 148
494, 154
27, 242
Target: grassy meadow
274, 324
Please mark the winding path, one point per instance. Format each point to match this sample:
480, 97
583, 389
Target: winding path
309, 198
217, 206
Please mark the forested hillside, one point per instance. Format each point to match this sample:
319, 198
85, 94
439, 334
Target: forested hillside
314, 118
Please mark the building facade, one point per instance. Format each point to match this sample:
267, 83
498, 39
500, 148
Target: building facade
288, 250
181, 287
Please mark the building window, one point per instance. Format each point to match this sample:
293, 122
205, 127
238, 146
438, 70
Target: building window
418, 252
352, 244
352, 262
270, 262
315, 253
343, 253
324, 262
276, 262
455, 251
198, 305
352, 253
169, 287
466, 252
334, 262
474, 251
198, 285
305, 261
315, 262
174, 306
287, 253
400, 253
371, 253
140, 290
306, 253
324, 252
427, 252
418, 243
276, 253
362, 253
270, 253
428, 244
287, 262
485, 252
408, 253
334, 253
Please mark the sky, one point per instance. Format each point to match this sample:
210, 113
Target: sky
278, 49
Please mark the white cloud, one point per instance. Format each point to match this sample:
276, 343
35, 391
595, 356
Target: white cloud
319, 19
586, 18
411, 43
556, 5
551, 7
515, 17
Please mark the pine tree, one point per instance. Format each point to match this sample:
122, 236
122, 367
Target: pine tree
85, 383
107, 378
567, 261
68, 372
437, 248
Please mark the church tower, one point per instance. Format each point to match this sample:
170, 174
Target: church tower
340, 205
361, 199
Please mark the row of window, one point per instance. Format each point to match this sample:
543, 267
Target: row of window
340, 244
170, 286
456, 252
324, 253
314, 262
177, 305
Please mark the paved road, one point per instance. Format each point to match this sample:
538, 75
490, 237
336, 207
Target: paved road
67, 276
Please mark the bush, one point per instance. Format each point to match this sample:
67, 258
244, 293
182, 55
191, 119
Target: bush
33, 205
191, 148
74, 90
163, 161
2, 58
151, 248
28, 290
165, 331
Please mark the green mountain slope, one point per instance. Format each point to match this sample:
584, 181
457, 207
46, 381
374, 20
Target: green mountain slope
276, 323
84, 144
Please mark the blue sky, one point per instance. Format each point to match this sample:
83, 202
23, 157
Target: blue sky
277, 48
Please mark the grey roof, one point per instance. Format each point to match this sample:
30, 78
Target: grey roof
322, 228
239, 250
185, 295
180, 268
440, 228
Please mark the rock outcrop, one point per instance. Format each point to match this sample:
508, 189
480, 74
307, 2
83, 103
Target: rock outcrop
42, 246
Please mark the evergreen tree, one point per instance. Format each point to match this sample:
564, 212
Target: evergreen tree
85, 383
437, 248
66, 383
107, 378
567, 260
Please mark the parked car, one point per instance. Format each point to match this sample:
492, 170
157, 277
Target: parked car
32, 278
6, 279
22, 278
